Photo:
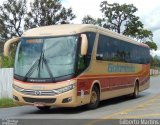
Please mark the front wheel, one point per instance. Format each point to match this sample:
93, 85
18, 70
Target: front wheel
44, 108
95, 98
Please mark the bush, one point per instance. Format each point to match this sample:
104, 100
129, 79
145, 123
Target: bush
7, 62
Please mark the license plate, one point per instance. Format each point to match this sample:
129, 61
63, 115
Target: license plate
40, 104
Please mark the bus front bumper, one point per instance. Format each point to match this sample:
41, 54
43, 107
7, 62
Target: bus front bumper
66, 99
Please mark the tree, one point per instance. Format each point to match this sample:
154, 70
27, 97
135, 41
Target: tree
12, 13
122, 19
155, 61
152, 45
1, 48
115, 15
135, 30
89, 20
7, 62
144, 34
47, 12
133, 27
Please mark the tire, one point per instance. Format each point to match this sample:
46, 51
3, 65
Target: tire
44, 108
94, 99
136, 91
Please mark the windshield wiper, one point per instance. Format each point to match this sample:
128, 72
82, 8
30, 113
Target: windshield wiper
43, 59
49, 71
38, 63
31, 70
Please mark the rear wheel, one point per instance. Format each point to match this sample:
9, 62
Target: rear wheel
95, 98
136, 91
44, 108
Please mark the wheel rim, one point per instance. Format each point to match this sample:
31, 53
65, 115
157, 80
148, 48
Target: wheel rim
93, 97
136, 91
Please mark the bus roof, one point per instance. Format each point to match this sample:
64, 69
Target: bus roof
71, 29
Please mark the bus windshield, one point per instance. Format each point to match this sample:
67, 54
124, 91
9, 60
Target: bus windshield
41, 59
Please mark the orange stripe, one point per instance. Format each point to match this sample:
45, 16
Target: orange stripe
41, 83
114, 75
108, 76
116, 88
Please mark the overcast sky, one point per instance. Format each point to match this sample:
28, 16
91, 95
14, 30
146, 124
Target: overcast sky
148, 11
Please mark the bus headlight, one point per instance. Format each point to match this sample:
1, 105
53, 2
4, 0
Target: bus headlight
19, 89
65, 89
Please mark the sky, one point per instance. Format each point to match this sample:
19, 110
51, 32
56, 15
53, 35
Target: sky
148, 11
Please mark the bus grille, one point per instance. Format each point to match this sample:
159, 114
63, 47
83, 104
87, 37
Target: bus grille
39, 92
33, 100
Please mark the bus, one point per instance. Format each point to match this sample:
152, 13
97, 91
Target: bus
71, 65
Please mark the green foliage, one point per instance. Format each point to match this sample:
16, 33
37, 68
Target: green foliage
6, 102
14, 16
7, 62
155, 62
47, 12
89, 20
12, 13
1, 47
152, 45
133, 27
115, 15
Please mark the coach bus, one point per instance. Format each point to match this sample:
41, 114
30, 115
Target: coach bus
72, 65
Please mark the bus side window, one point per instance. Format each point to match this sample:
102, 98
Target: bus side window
81, 63
99, 56
84, 61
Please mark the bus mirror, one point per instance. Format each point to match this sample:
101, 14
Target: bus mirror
84, 44
8, 44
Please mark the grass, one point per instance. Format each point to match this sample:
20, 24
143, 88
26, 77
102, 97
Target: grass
7, 102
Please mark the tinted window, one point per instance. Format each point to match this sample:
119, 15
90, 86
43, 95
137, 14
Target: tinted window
84, 61
111, 49
91, 39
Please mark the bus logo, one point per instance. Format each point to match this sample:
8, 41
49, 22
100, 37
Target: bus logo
37, 92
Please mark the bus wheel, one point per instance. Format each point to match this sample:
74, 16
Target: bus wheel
44, 108
95, 98
136, 91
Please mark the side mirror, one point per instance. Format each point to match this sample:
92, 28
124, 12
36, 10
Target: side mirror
8, 44
84, 44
